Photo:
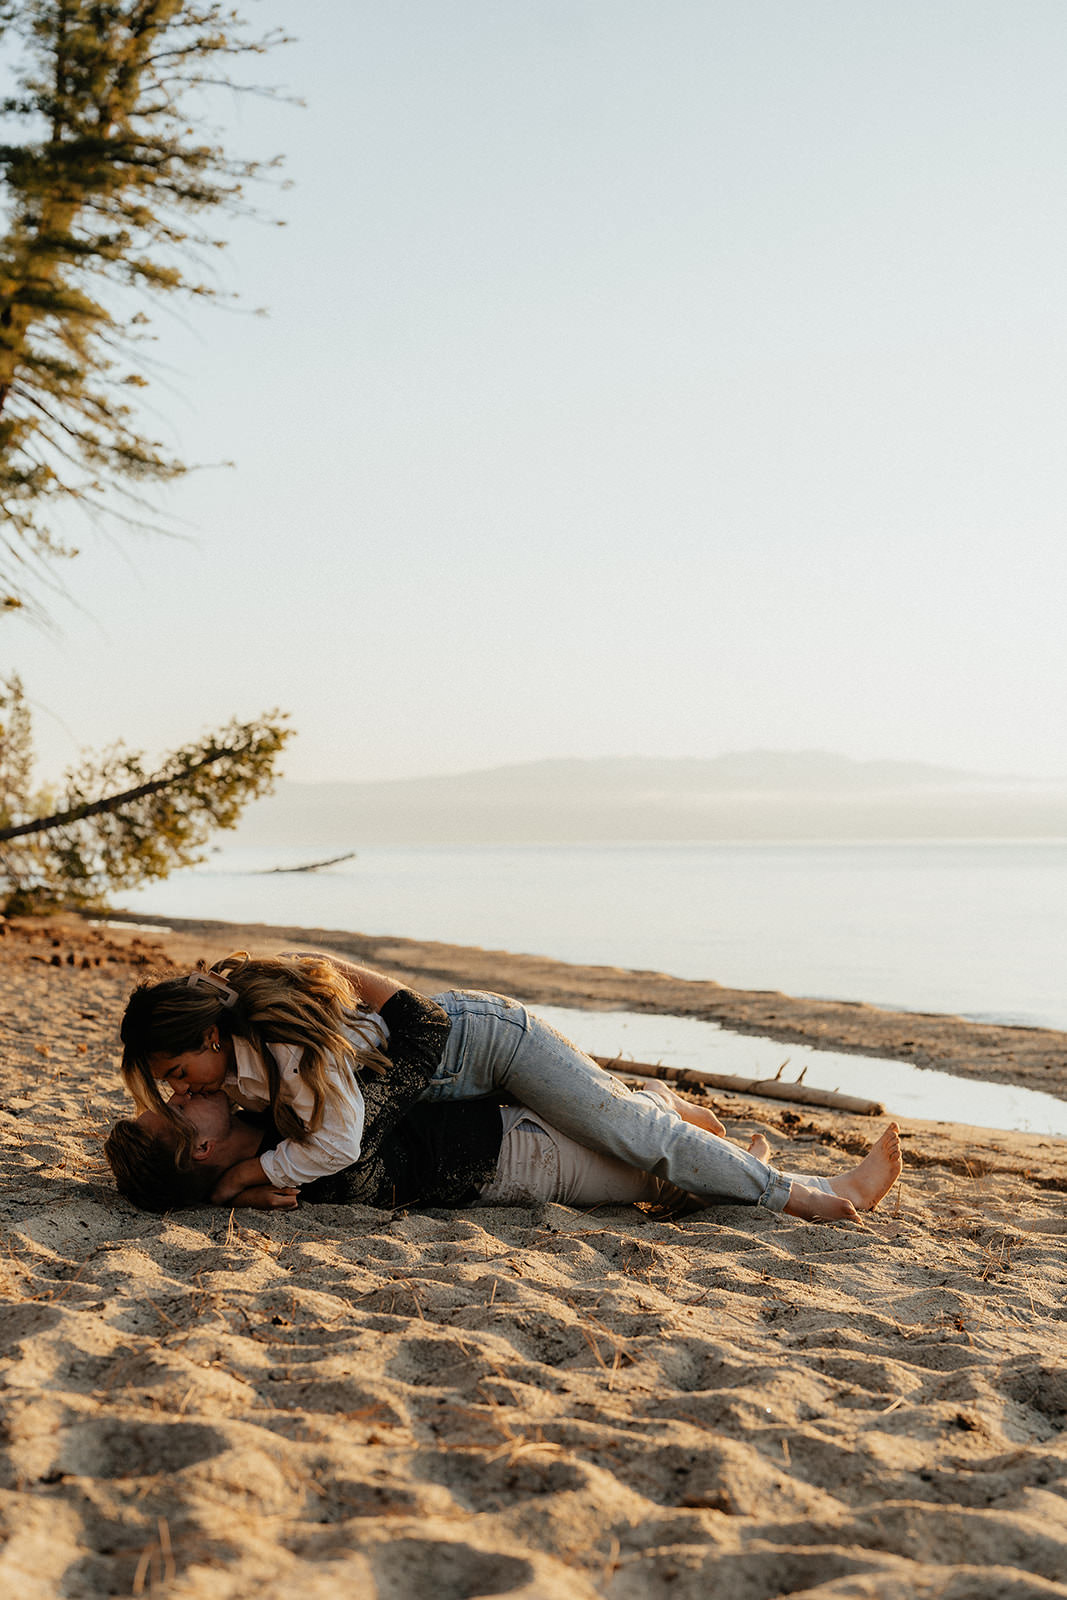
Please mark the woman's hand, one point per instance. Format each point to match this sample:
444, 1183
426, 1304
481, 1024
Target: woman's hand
245, 1175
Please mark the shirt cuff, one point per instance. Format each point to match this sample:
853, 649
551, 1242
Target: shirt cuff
293, 1163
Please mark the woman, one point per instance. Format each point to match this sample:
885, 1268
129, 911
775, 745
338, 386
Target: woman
335, 1050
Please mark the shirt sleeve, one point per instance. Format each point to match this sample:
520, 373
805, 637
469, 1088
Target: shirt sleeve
336, 1141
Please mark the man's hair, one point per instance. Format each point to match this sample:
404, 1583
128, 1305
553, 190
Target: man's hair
155, 1172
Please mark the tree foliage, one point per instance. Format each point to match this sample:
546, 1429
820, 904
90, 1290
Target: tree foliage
16, 752
114, 822
105, 190
105, 195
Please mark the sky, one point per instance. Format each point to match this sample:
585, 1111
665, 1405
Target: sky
648, 378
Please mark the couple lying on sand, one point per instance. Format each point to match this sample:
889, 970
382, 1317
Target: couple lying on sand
354, 1089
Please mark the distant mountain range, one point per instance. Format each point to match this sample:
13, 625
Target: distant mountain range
758, 794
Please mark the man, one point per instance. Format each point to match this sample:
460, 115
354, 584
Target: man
442, 1154
432, 1155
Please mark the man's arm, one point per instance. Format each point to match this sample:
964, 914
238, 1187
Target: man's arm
245, 1175
264, 1197
373, 988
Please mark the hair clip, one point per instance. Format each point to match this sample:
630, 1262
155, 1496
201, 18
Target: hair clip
228, 996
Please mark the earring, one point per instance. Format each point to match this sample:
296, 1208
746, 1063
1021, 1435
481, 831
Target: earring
216, 1047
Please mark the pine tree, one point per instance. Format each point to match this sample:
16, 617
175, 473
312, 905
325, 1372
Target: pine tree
116, 822
103, 199
104, 195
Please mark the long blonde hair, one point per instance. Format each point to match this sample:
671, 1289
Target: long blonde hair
299, 1000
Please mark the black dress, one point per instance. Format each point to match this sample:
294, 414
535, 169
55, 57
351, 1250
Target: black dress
438, 1154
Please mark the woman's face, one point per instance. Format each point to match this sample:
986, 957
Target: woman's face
199, 1071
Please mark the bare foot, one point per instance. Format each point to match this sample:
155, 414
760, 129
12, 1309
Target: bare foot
699, 1116
817, 1206
876, 1174
758, 1147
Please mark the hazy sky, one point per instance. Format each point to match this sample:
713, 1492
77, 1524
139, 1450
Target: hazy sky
662, 378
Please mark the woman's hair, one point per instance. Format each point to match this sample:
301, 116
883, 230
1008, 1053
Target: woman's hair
156, 1171
302, 1001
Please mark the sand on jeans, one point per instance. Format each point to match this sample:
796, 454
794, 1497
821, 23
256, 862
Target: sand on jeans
524, 1402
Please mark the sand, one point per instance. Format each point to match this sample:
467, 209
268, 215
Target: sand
524, 1402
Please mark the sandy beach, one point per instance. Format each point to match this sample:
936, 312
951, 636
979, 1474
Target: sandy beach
537, 1403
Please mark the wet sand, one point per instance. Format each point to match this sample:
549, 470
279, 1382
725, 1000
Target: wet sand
531, 1402
1034, 1058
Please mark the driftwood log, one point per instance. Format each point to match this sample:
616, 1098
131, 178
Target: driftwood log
313, 866
766, 1088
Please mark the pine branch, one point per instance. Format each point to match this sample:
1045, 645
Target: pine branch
103, 198
120, 825
113, 802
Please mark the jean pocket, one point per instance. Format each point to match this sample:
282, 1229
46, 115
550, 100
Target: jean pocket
450, 1065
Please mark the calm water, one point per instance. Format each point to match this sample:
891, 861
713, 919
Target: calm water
976, 929
904, 1090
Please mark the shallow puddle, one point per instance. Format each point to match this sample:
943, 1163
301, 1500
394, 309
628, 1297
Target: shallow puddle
904, 1090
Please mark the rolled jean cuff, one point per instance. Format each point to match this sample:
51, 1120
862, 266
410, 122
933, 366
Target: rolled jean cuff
776, 1194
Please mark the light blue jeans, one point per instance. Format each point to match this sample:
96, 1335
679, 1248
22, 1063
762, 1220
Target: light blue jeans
497, 1047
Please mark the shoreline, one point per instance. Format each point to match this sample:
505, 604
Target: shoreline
1030, 1057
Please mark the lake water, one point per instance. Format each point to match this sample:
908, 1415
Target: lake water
904, 1090
978, 929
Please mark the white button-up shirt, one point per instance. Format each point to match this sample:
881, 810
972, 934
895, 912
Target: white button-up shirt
337, 1140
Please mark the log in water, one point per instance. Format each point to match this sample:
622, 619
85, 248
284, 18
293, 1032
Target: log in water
766, 1088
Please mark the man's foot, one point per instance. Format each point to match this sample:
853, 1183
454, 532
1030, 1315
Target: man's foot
699, 1116
817, 1206
876, 1174
758, 1147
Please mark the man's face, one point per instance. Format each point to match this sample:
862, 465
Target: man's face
210, 1117
208, 1112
